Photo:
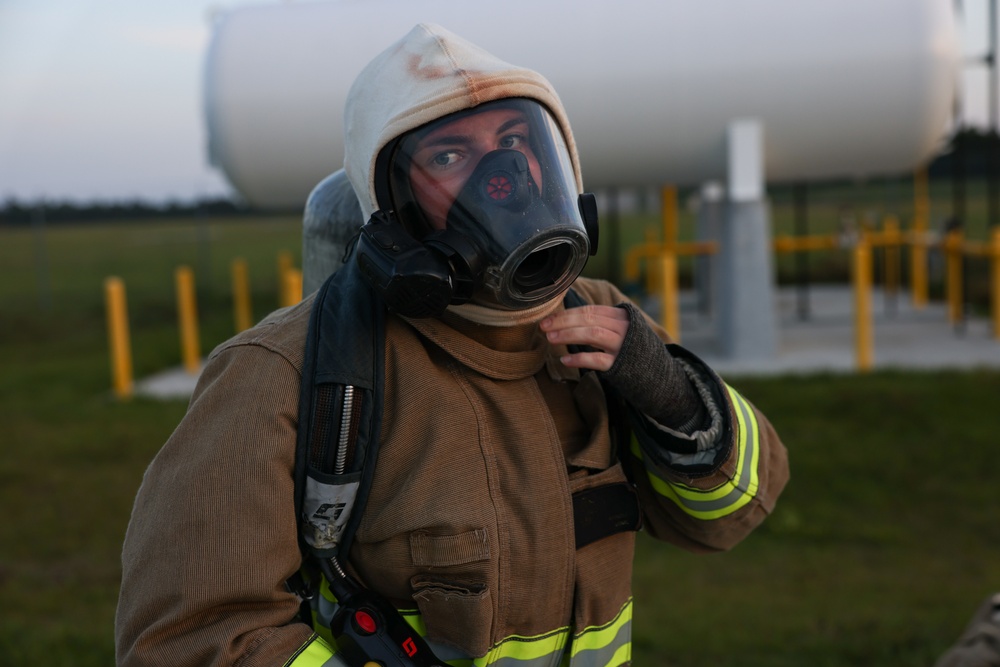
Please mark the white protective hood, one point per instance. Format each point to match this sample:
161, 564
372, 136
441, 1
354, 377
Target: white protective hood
426, 75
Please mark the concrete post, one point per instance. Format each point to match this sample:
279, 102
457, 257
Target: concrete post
747, 322
711, 208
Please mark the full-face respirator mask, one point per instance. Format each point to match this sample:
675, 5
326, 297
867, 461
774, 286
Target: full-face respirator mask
481, 206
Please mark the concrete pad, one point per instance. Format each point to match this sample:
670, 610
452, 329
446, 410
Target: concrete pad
171, 384
904, 338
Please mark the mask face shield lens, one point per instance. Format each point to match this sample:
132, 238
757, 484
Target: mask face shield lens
499, 175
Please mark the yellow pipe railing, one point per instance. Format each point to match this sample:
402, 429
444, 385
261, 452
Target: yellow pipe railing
652, 249
806, 243
663, 279
661, 261
670, 315
662, 271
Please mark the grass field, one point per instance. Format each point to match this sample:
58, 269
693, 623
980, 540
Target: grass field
884, 543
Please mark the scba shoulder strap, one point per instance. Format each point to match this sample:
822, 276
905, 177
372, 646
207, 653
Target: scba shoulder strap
340, 417
340, 412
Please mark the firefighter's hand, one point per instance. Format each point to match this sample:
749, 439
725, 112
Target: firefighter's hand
601, 328
632, 358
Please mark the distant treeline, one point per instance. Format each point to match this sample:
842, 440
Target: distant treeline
16, 212
973, 148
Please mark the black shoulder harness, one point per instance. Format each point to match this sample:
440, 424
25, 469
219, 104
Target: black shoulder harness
340, 412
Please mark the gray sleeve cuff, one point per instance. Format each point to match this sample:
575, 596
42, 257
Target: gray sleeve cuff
705, 441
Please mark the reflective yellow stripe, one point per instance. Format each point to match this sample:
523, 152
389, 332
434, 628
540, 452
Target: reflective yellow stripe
314, 653
597, 646
524, 651
513, 651
732, 494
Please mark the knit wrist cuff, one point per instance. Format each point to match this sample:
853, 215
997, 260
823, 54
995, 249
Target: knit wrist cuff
649, 378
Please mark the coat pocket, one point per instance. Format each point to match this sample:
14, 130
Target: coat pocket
456, 613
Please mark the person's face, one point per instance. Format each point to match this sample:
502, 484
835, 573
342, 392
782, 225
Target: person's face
444, 159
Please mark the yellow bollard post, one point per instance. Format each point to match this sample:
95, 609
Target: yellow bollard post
241, 295
284, 266
187, 313
119, 342
953, 274
918, 250
864, 339
893, 239
670, 314
291, 292
995, 280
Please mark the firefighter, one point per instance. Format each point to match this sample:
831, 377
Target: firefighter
502, 510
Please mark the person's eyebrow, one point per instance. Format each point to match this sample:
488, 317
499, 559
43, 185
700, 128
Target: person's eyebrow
513, 122
447, 140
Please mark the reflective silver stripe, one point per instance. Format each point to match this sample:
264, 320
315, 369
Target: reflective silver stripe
550, 660
516, 651
610, 654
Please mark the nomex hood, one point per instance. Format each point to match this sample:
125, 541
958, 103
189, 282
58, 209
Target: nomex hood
426, 75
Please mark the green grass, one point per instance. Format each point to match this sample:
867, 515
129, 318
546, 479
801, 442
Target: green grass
73, 457
882, 546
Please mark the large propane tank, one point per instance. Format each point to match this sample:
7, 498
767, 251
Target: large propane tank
844, 88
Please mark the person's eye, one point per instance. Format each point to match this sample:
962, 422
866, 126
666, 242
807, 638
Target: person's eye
512, 141
445, 158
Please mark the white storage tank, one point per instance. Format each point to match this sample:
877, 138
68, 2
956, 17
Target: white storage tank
844, 88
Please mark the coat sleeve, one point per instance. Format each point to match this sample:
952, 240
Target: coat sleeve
709, 502
705, 491
212, 538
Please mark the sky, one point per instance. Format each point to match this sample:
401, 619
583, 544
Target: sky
100, 100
